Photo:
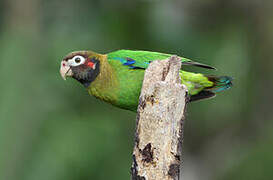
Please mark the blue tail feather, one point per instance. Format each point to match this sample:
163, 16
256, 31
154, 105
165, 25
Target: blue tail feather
220, 83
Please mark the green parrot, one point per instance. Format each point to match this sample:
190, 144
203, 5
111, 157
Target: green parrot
117, 77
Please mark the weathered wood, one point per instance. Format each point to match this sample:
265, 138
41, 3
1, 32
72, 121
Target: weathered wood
159, 126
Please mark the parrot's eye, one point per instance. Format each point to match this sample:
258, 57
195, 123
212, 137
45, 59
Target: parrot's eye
76, 61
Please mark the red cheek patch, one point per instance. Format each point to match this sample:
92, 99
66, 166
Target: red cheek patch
90, 64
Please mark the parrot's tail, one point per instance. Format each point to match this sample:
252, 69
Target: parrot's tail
220, 83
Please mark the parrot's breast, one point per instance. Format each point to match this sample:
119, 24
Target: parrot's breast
129, 88
118, 85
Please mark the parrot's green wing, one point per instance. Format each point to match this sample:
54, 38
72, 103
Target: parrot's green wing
141, 59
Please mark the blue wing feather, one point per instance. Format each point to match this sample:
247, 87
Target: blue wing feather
131, 63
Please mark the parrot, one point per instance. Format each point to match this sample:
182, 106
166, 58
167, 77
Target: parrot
117, 77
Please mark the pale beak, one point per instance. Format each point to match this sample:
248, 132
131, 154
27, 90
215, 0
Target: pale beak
65, 70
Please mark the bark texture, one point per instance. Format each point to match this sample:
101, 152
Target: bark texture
159, 126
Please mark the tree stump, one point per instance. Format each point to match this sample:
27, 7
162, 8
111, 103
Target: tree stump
159, 123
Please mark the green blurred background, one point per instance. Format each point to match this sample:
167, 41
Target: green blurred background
52, 129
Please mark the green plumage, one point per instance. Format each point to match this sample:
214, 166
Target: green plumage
122, 73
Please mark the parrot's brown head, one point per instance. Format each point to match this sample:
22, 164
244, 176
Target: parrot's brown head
84, 66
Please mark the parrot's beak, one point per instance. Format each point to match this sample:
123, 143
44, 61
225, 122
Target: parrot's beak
65, 70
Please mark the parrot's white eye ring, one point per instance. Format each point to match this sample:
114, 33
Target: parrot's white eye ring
76, 61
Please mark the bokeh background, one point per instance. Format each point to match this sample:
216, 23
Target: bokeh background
52, 129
